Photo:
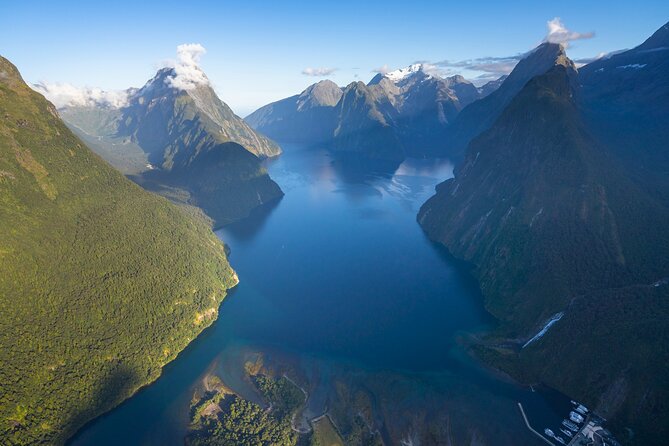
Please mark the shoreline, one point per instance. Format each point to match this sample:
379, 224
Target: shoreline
71, 438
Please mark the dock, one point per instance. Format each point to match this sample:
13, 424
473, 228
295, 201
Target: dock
527, 423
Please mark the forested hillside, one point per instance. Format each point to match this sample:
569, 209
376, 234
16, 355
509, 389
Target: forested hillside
556, 222
102, 283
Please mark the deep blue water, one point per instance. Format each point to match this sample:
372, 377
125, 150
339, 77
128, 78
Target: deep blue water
338, 271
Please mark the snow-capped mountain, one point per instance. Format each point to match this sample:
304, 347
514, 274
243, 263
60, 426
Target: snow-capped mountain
403, 73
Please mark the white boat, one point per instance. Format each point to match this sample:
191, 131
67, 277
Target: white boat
559, 439
549, 432
567, 432
569, 425
582, 409
575, 417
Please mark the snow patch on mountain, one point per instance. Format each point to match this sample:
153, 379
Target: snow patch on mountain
404, 73
635, 66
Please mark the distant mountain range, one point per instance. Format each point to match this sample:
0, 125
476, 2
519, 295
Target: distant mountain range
101, 283
401, 113
186, 144
562, 205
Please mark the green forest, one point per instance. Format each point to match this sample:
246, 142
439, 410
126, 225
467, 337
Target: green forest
224, 419
103, 283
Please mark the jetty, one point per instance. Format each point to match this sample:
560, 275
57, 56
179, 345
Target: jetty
527, 423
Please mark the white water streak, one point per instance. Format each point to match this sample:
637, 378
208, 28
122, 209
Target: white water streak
556, 317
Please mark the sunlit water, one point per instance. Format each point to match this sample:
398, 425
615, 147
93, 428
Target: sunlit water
339, 275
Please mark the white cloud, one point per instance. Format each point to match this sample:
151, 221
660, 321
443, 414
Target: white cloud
434, 70
490, 67
63, 94
382, 70
558, 33
318, 72
187, 75
187, 72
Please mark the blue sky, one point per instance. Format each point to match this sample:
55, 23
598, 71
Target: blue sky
257, 50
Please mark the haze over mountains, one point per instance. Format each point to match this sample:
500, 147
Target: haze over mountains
397, 114
176, 137
561, 205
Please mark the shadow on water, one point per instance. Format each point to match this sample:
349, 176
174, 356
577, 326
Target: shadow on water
246, 229
154, 415
119, 381
468, 281
356, 169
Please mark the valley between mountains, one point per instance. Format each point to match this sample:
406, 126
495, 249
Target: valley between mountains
416, 256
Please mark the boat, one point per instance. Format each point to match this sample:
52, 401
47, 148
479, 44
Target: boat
582, 409
559, 439
549, 432
569, 425
575, 417
567, 432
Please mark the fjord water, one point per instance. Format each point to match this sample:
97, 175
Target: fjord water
338, 272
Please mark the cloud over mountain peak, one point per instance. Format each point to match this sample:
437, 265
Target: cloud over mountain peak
558, 33
187, 72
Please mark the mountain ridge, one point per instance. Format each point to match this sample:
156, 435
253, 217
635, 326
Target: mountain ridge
480, 115
397, 114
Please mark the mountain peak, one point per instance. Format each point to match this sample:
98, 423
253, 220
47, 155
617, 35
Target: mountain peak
659, 39
537, 62
323, 93
480, 115
404, 73
456, 79
546, 52
177, 78
9, 74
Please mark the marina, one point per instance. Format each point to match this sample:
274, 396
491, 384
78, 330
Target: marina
579, 428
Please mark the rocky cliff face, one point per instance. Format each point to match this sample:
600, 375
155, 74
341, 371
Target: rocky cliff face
365, 122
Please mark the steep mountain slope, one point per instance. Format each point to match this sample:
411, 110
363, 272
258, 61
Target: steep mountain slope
201, 115
365, 122
161, 134
102, 283
491, 86
308, 117
625, 99
404, 112
480, 115
555, 220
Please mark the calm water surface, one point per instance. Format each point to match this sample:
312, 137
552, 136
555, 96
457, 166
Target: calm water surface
338, 272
